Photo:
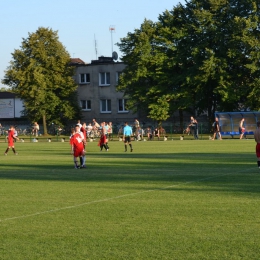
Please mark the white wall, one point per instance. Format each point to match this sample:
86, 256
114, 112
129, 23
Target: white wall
18, 107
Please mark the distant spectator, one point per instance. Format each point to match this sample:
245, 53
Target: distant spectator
194, 126
15, 134
216, 129
95, 124
89, 129
110, 131
241, 128
1, 129
79, 124
35, 129
140, 134
156, 133
149, 133
136, 126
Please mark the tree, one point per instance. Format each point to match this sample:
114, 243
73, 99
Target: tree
41, 76
159, 110
139, 81
3, 89
211, 44
203, 56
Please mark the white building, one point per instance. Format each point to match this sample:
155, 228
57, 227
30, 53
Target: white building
10, 106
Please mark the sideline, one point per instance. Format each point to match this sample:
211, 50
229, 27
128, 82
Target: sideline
119, 197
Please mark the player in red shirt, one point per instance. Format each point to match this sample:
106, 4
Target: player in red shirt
103, 138
84, 131
77, 143
11, 137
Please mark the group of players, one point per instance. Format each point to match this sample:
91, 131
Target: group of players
79, 137
78, 141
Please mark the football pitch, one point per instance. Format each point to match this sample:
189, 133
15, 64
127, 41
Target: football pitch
191, 199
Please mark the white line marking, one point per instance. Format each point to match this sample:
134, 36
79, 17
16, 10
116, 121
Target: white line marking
117, 197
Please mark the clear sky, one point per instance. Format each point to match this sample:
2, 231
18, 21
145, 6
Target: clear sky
82, 25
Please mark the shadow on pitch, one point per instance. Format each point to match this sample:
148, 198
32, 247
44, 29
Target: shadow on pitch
213, 170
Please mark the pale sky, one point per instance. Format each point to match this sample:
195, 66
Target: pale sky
83, 25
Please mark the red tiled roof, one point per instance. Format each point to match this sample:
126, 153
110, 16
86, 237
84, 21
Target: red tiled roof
76, 61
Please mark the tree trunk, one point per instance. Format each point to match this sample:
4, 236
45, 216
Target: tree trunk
45, 132
211, 112
181, 119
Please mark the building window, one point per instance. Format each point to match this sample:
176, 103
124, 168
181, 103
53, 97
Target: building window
105, 106
84, 78
122, 105
118, 76
104, 78
85, 104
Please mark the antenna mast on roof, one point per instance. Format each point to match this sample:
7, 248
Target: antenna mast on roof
95, 46
112, 30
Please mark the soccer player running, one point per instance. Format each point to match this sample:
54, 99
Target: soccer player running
77, 143
11, 137
127, 133
257, 139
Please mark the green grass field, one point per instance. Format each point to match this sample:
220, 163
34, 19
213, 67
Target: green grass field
166, 200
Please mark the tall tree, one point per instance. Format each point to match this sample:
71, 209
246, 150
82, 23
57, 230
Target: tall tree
41, 76
140, 78
206, 57
207, 43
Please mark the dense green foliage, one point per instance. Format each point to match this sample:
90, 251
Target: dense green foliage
202, 56
41, 76
166, 200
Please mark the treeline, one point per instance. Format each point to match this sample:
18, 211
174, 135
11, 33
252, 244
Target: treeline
199, 57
